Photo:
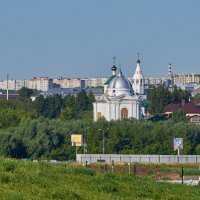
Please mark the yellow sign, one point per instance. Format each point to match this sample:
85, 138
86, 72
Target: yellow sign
76, 140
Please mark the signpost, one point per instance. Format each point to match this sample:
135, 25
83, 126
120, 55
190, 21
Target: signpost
76, 140
178, 144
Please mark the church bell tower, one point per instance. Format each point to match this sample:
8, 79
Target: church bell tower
138, 79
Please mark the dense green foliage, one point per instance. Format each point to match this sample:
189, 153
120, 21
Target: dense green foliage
50, 138
21, 180
160, 96
42, 130
25, 92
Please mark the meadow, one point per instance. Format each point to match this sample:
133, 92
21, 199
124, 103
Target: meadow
22, 180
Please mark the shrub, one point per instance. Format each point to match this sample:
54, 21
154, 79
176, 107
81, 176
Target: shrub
107, 187
62, 193
4, 178
84, 171
9, 166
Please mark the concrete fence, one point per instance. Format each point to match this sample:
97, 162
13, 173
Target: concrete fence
93, 158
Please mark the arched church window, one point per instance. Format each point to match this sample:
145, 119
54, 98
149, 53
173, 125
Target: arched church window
137, 81
141, 81
124, 113
99, 115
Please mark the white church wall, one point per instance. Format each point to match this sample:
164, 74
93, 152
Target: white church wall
100, 107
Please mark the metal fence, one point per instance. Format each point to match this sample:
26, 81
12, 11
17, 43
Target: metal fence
93, 158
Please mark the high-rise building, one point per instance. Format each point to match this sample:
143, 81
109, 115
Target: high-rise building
13, 84
95, 82
186, 78
40, 83
70, 83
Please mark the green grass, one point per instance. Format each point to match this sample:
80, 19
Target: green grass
188, 169
24, 180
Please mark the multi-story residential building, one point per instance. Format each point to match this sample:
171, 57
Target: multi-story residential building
186, 78
20, 84
95, 82
155, 80
40, 83
13, 84
10, 84
69, 83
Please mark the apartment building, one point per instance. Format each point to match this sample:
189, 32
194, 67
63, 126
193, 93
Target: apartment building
69, 83
40, 83
186, 78
13, 84
95, 82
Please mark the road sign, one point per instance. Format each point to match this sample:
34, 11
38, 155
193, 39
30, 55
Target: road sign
76, 140
178, 143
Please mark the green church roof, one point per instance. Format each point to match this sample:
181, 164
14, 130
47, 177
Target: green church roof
109, 80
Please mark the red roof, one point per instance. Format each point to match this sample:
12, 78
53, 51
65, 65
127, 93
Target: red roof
189, 108
171, 107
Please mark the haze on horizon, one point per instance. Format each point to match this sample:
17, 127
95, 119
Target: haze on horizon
79, 38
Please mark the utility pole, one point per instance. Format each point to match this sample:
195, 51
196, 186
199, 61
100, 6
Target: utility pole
7, 87
103, 131
85, 140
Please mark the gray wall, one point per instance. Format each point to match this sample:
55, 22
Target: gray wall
92, 158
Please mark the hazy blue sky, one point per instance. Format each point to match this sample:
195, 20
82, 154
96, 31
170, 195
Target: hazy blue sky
78, 38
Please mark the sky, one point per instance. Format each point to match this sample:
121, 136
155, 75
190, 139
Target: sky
78, 38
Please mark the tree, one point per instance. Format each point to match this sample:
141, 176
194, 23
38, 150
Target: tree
158, 97
25, 92
179, 115
82, 101
175, 96
52, 106
69, 101
12, 146
197, 149
67, 113
24, 104
4, 104
91, 99
39, 104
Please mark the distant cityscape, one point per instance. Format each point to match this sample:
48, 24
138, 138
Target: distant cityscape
187, 81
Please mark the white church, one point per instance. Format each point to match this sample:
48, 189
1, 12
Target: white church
121, 98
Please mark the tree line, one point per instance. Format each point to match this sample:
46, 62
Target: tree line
45, 138
159, 97
12, 113
42, 129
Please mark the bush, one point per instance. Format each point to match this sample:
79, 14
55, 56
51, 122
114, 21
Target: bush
62, 193
9, 166
84, 171
4, 178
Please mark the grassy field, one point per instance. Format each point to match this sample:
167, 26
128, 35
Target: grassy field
24, 180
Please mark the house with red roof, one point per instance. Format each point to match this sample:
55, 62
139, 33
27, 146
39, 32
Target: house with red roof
190, 108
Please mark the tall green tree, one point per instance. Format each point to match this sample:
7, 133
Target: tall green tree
91, 99
175, 96
39, 104
82, 101
158, 97
25, 92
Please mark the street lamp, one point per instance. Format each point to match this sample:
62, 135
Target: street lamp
85, 138
103, 131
